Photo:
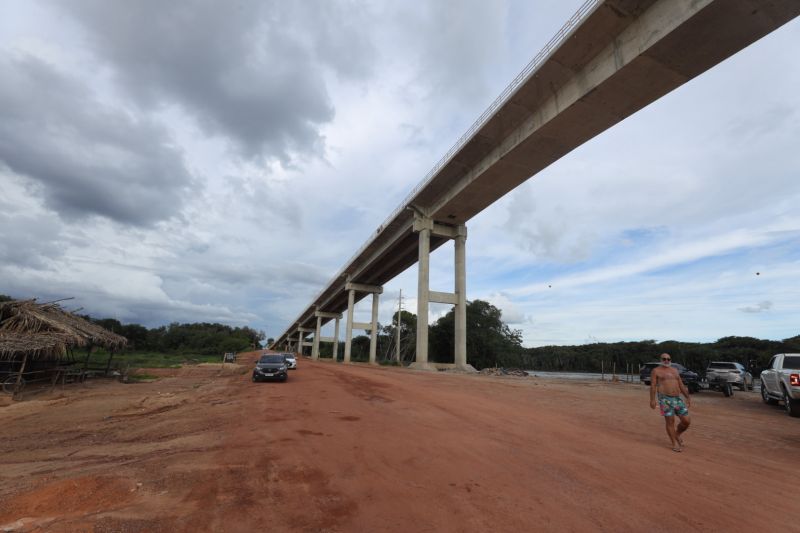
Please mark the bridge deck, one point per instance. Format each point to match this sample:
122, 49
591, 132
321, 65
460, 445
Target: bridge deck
612, 59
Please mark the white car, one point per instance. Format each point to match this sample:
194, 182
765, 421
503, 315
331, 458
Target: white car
733, 373
291, 361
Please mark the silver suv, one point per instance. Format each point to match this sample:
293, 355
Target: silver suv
291, 361
733, 373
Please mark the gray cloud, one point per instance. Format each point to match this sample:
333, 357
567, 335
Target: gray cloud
29, 241
87, 159
766, 305
248, 71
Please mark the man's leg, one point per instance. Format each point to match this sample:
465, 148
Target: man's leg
670, 423
683, 426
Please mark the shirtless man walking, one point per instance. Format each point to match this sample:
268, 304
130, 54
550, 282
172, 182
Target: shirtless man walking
666, 382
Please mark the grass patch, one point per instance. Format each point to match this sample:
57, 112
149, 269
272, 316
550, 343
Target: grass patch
150, 359
141, 377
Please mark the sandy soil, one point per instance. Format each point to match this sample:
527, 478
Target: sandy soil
355, 448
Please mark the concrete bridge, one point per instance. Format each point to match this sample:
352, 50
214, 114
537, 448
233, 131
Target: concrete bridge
612, 58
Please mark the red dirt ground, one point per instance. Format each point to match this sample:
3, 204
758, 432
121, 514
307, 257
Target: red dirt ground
358, 448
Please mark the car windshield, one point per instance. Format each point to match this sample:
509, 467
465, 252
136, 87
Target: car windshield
791, 361
271, 359
651, 365
722, 365
289, 355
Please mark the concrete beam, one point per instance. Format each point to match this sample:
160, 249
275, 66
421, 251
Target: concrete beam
323, 314
361, 287
437, 229
305, 330
362, 325
442, 297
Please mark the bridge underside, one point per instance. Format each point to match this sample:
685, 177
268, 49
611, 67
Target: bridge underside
620, 57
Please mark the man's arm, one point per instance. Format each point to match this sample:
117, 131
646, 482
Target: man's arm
653, 379
684, 391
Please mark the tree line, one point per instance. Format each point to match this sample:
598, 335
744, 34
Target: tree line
201, 338
490, 342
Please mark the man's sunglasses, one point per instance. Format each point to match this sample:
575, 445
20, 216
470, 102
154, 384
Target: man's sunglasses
666, 359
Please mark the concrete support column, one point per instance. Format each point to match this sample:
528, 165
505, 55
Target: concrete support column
348, 330
315, 347
373, 337
461, 298
423, 284
300, 342
336, 340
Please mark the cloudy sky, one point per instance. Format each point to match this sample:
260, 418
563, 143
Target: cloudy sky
219, 161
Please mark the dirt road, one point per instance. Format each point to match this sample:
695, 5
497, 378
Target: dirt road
354, 448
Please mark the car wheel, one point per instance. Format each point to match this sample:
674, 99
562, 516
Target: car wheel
766, 397
792, 406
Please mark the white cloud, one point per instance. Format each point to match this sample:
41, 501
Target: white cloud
280, 169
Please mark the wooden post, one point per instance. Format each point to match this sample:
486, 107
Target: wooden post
602, 370
19, 377
88, 353
108, 365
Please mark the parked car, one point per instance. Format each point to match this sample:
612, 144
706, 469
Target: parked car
780, 381
689, 378
291, 361
271, 366
733, 373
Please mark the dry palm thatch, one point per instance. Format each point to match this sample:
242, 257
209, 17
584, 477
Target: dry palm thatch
48, 330
43, 345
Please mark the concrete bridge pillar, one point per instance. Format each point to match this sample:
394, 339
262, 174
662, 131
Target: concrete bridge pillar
426, 227
336, 339
373, 336
299, 342
372, 326
423, 282
315, 347
323, 316
348, 330
461, 298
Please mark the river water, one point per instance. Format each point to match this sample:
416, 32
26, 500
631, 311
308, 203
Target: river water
578, 375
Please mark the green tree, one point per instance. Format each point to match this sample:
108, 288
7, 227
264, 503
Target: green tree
490, 342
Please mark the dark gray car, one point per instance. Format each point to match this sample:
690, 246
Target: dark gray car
689, 378
271, 367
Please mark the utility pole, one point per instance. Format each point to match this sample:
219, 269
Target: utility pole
397, 333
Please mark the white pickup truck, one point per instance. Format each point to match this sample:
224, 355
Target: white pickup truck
780, 381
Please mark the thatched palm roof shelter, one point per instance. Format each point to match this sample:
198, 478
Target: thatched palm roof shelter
47, 331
